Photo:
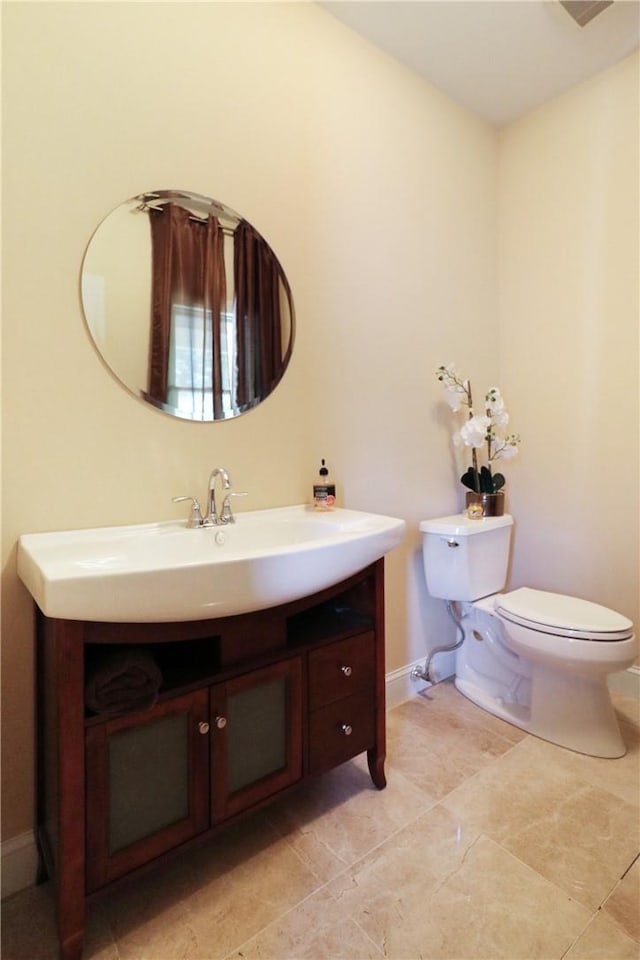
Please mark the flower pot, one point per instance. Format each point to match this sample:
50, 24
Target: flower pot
492, 503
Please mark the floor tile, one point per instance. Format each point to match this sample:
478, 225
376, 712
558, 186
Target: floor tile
336, 819
624, 903
450, 704
603, 940
148, 916
483, 904
576, 834
437, 750
234, 905
620, 776
628, 709
212, 899
318, 929
148, 925
29, 925
407, 866
29, 928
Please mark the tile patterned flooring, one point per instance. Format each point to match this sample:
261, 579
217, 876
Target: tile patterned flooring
486, 843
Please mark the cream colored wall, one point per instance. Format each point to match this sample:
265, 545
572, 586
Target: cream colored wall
378, 195
569, 312
381, 199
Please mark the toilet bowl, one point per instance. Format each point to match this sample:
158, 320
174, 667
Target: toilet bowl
539, 660
552, 677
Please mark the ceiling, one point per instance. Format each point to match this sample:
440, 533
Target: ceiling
498, 58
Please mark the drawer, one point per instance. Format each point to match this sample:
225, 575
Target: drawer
342, 669
340, 731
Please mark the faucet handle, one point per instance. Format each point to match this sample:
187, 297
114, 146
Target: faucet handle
226, 516
195, 520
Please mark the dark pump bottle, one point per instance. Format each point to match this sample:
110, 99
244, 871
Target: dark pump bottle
324, 490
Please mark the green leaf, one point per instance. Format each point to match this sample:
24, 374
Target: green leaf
498, 482
486, 480
470, 479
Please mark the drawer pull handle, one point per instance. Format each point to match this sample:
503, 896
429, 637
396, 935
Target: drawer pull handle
203, 727
346, 671
346, 729
221, 722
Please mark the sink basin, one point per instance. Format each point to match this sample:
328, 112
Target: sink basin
168, 572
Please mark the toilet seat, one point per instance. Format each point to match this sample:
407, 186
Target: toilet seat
556, 614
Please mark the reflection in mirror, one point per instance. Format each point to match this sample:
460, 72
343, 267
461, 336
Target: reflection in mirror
188, 305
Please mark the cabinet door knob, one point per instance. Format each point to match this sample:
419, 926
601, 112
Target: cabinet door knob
221, 722
346, 671
346, 729
203, 726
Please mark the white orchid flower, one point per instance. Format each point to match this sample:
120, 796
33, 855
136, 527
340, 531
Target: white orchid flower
507, 448
455, 396
474, 431
496, 408
479, 431
457, 390
500, 419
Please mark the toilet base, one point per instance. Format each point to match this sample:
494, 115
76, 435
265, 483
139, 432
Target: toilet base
573, 712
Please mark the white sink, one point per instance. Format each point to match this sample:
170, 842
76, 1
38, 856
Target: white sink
167, 572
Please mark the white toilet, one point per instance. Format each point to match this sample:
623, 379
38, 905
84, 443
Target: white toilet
538, 660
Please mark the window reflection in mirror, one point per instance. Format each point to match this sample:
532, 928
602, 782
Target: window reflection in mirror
191, 311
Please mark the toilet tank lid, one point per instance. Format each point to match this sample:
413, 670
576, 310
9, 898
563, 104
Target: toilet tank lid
556, 610
460, 525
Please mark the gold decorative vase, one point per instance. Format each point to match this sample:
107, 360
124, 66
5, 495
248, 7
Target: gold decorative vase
491, 504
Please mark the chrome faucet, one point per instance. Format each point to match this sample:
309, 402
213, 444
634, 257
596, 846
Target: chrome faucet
226, 514
212, 516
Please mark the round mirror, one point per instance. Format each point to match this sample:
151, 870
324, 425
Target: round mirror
188, 305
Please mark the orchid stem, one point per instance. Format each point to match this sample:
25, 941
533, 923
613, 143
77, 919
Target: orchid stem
474, 455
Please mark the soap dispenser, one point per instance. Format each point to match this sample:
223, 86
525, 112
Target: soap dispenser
324, 490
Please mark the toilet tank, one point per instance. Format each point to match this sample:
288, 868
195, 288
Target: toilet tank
465, 559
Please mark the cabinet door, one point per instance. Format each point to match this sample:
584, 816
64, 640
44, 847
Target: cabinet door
147, 785
256, 736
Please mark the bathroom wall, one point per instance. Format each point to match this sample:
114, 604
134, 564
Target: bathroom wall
569, 312
382, 200
377, 193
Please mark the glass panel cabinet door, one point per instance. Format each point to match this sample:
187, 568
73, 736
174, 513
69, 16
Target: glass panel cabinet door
257, 736
147, 784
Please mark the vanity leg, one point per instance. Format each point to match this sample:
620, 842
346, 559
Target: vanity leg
70, 862
375, 759
71, 948
42, 874
376, 755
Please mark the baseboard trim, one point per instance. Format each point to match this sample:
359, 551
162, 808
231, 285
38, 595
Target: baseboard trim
19, 863
400, 686
19, 855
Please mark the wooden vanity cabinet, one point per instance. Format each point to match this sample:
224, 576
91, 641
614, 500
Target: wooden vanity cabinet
249, 707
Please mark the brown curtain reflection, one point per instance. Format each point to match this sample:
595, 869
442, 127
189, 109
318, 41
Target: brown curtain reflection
187, 269
259, 283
